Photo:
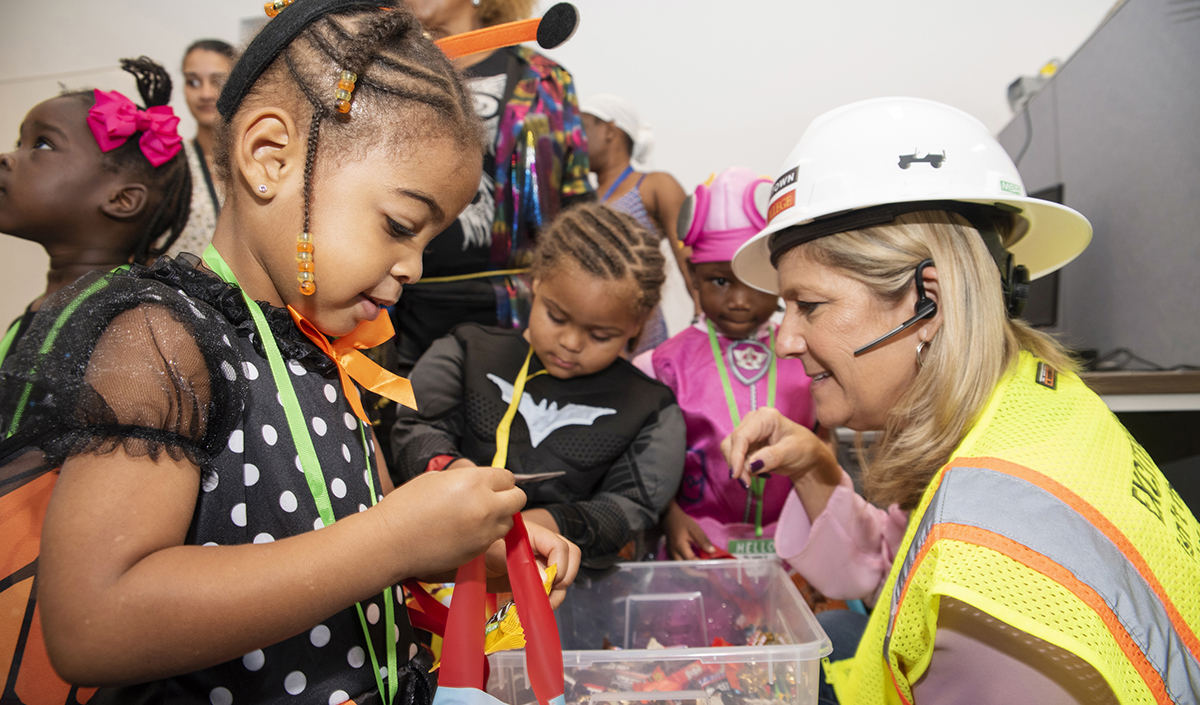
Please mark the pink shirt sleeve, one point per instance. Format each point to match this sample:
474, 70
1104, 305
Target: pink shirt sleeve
847, 552
645, 363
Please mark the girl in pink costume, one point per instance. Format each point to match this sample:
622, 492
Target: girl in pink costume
720, 369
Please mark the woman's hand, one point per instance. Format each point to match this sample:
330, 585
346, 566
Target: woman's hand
682, 532
767, 441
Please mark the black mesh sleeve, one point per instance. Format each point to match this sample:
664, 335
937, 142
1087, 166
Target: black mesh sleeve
120, 361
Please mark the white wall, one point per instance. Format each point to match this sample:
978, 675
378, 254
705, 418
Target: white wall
723, 83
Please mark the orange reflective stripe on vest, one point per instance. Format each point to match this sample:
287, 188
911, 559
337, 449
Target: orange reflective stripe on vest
1040, 523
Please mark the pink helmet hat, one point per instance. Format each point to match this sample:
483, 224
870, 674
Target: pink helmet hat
723, 214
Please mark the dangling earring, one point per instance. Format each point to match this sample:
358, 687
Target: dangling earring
304, 262
920, 349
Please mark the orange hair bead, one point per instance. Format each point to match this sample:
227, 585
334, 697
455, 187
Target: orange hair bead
272, 7
344, 92
305, 265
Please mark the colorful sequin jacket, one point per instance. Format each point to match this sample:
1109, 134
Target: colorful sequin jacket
541, 156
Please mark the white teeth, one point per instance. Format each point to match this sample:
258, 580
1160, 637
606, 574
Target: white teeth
820, 377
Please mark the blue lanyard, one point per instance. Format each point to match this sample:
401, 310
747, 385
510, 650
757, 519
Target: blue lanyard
620, 180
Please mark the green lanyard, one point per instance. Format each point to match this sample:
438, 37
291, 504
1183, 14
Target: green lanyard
312, 466
9, 337
48, 343
758, 484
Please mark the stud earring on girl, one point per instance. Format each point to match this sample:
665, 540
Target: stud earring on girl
262, 188
304, 262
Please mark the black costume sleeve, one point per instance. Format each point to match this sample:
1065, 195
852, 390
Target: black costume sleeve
116, 360
633, 493
436, 428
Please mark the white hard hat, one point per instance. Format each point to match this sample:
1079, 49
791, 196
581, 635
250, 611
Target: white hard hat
900, 151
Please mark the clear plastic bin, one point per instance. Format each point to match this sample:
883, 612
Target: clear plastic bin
685, 606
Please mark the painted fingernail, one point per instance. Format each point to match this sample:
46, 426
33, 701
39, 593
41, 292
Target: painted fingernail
730, 473
745, 485
756, 466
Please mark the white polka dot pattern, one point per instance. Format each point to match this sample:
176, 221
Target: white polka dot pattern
287, 501
220, 696
235, 441
295, 683
319, 636
254, 660
356, 657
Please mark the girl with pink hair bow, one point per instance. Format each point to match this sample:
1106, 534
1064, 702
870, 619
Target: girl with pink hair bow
96, 180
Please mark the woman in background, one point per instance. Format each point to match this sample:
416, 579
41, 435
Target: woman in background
618, 146
206, 64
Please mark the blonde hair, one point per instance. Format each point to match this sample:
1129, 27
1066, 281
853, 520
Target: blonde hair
493, 12
965, 360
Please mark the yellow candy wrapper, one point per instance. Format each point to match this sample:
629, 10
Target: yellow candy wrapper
503, 631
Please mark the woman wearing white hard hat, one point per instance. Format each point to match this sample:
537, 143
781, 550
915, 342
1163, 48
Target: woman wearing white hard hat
1032, 552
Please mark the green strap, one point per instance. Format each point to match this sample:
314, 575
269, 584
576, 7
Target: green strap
311, 464
9, 337
757, 485
49, 343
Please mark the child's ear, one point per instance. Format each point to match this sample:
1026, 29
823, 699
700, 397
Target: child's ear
125, 202
268, 149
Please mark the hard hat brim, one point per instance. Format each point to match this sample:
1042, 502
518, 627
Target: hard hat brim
1055, 236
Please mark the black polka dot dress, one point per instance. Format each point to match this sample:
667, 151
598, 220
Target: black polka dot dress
253, 489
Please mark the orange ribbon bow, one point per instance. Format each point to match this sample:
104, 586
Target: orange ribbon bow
352, 364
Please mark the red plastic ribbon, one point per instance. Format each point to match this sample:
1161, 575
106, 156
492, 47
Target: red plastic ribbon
114, 119
352, 364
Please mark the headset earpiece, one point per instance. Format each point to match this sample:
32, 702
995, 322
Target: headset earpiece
924, 308
1016, 290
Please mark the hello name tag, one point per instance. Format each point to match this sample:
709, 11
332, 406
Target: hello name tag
752, 548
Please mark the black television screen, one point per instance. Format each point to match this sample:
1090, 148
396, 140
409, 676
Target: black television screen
1041, 308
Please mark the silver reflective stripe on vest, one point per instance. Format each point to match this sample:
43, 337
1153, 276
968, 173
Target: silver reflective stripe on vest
1035, 518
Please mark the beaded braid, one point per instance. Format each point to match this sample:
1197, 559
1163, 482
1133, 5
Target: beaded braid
337, 59
605, 243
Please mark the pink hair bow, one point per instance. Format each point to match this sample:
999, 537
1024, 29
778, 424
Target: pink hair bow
114, 119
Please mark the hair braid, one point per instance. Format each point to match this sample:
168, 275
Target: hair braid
605, 243
153, 81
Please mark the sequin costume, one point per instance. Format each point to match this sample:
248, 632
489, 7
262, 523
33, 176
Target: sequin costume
537, 165
707, 494
154, 344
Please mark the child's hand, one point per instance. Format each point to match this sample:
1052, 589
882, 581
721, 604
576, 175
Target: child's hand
448, 518
767, 441
549, 548
682, 532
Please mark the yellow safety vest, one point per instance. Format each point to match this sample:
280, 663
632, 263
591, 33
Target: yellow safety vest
1051, 518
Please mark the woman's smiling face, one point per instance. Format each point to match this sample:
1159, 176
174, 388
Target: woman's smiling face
829, 315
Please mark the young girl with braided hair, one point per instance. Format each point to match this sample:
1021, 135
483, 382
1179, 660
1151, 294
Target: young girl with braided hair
602, 444
219, 502
95, 180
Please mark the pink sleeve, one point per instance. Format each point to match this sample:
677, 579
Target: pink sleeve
847, 552
645, 363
